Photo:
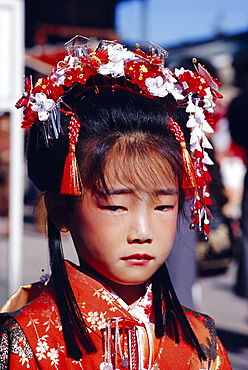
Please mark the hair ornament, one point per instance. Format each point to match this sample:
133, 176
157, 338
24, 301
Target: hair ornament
189, 178
144, 73
71, 180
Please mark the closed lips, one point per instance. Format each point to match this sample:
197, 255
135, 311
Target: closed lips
137, 257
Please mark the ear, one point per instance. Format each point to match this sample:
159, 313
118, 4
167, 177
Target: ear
58, 210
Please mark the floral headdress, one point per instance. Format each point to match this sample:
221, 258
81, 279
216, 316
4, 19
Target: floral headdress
195, 91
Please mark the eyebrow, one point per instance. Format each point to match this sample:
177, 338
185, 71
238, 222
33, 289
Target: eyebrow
157, 192
167, 191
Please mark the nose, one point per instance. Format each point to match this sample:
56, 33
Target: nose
140, 230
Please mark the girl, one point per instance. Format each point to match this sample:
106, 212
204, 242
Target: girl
113, 165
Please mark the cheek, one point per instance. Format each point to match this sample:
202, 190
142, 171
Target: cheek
92, 229
173, 228
167, 230
95, 223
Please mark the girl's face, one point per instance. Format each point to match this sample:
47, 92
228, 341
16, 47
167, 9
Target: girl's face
127, 236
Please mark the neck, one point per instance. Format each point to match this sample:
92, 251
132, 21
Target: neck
128, 293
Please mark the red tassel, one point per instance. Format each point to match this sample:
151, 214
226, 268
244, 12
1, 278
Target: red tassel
198, 154
200, 182
207, 201
196, 220
71, 180
198, 204
207, 176
189, 180
206, 228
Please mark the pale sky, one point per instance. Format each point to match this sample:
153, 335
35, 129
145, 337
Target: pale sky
171, 22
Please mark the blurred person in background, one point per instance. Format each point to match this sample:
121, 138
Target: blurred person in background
238, 123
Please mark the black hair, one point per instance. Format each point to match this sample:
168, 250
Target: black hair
111, 120
105, 118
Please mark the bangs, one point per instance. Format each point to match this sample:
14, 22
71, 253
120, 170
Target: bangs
139, 161
144, 161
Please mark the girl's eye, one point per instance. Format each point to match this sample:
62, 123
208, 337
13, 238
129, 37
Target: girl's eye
164, 208
113, 208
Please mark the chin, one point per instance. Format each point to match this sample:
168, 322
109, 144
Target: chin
133, 280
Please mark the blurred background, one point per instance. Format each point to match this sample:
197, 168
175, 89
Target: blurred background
209, 277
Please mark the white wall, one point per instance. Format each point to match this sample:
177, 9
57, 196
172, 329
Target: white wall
11, 86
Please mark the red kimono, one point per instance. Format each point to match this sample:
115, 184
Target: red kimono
32, 337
